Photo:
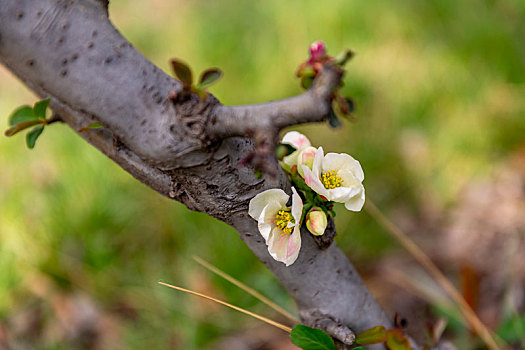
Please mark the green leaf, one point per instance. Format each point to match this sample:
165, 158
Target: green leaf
333, 120
91, 126
513, 329
22, 114
343, 58
359, 348
33, 135
182, 72
395, 340
311, 338
22, 126
209, 76
306, 71
282, 150
371, 336
306, 82
40, 108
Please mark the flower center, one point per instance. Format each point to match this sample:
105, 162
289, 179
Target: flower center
331, 180
282, 218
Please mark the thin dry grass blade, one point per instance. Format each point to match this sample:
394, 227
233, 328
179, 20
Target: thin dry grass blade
418, 254
247, 289
264, 319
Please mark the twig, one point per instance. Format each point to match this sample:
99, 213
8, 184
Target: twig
433, 270
264, 319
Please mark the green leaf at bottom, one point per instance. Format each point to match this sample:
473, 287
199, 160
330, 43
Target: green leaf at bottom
33, 135
311, 338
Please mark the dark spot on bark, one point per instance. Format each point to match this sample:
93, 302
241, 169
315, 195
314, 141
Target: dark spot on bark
64, 61
65, 25
213, 120
94, 34
38, 13
30, 63
144, 72
316, 293
74, 57
60, 40
63, 73
90, 45
158, 100
143, 122
124, 44
338, 271
108, 60
19, 15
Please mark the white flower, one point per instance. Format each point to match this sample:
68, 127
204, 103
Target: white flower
337, 177
278, 224
299, 142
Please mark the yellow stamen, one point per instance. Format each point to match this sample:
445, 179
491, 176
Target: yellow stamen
331, 180
282, 219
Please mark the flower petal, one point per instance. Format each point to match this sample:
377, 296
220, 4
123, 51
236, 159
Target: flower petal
293, 247
356, 202
296, 139
277, 243
341, 194
266, 220
297, 207
313, 182
260, 201
343, 161
318, 161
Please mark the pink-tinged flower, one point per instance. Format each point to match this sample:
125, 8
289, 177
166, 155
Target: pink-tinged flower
306, 157
316, 221
299, 142
317, 51
278, 224
337, 177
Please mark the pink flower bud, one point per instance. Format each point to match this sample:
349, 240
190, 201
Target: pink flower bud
306, 157
316, 221
317, 51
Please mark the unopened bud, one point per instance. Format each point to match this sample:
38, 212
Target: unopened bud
306, 157
316, 221
317, 51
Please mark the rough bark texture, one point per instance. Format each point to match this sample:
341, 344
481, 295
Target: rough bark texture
183, 148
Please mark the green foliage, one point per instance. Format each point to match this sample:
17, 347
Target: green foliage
33, 135
395, 340
91, 126
209, 76
182, 72
311, 338
283, 149
513, 330
371, 336
25, 117
21, 115
40, 108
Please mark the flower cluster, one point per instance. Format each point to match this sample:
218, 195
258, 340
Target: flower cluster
319, 181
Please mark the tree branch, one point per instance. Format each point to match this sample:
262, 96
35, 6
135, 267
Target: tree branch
187, 150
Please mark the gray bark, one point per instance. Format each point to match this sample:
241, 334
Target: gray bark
183, 148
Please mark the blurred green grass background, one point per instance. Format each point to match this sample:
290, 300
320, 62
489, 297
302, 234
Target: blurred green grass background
440, 94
